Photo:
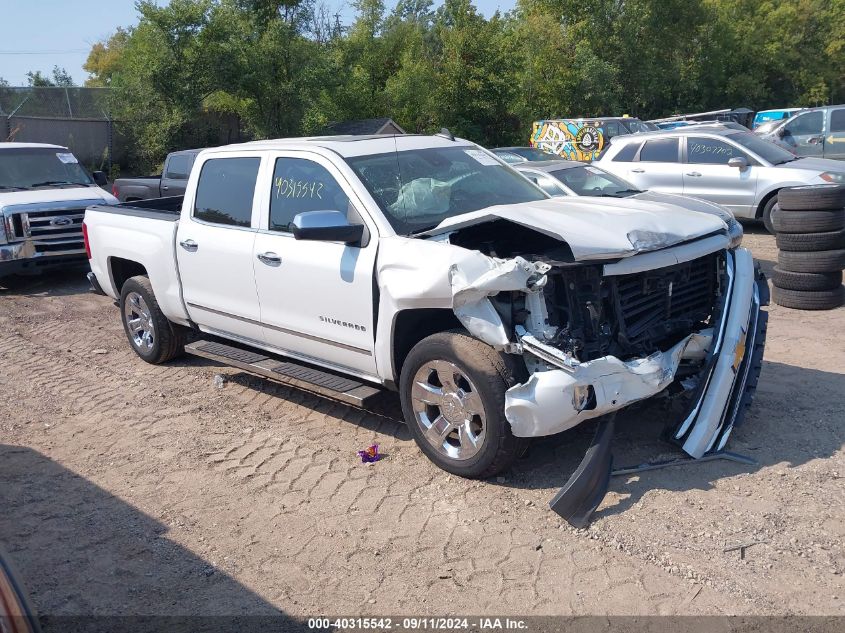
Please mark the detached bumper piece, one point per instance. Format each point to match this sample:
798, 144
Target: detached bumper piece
733, 368
582, 494
726, 389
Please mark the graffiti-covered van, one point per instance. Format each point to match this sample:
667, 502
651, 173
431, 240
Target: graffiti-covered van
582, 139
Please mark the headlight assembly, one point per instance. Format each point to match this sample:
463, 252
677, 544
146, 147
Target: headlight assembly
830, 176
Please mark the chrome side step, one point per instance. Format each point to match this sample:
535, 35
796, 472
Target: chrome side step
319, 381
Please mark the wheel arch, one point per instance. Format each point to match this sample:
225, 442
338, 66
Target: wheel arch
758, 214
413, 325
122, 269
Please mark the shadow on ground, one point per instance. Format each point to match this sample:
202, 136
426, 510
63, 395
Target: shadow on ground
55, 283
121, 572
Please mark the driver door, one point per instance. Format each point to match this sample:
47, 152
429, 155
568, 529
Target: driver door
316, 297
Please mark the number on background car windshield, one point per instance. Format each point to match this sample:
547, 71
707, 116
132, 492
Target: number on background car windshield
707, 151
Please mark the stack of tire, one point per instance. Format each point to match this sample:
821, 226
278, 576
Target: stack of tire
810, 233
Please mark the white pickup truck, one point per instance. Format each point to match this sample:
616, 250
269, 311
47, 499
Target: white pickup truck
43, 195
424, 264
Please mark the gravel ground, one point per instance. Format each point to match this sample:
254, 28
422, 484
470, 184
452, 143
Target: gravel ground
133, 489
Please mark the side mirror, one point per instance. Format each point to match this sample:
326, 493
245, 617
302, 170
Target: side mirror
326, 226
780, 132
100, 178
739, 162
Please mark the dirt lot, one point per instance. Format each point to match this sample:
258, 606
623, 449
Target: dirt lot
128, 488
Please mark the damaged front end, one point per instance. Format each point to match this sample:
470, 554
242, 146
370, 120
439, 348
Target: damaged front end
597, 337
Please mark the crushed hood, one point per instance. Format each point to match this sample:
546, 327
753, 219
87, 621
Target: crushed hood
599, 228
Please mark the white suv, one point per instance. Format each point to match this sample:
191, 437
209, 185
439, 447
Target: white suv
738, 170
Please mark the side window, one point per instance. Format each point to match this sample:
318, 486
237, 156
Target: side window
660, 150
709, 151
810, 123
837, 120
548, 185
225, 191
301, 185
611, 129
178, 167
627, 153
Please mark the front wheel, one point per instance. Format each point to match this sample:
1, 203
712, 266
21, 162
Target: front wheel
153, 337
768, 211
453, 389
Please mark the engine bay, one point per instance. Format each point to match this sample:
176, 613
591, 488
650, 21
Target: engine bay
587, 315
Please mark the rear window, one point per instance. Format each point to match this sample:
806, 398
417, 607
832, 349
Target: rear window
660, 150
627, 153
225, 191
837, 120
178, 167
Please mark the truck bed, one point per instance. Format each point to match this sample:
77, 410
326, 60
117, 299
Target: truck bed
167, 209
144, 233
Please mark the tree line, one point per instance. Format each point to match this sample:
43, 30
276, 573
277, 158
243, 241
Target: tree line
288, 67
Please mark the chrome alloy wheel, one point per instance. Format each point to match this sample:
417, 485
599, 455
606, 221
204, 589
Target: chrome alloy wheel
449, 410
138, 320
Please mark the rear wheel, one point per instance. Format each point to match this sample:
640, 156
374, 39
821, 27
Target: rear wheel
453, 397
153, 337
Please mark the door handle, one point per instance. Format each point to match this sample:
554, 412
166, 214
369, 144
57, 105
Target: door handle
693, 173
165, 187
270, 258
638, 171
815, 140
189, 245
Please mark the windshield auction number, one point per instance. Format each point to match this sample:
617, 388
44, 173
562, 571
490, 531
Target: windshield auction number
292, 188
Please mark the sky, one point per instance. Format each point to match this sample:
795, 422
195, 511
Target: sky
40, 34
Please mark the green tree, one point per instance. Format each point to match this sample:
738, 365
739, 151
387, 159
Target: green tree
105, 59
58, 77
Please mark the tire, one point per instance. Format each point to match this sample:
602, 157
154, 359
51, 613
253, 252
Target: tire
812, 198
788, 280
808, 221
768, 211
809, 299
469, 366
823, 241
16, 608
165, 340
812, 262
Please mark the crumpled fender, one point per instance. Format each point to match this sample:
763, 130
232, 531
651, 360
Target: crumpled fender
420, 274
470, 292
546, 404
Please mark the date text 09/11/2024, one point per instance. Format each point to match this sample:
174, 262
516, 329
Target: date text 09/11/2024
417, 624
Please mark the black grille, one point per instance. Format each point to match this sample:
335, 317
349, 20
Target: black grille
655, 304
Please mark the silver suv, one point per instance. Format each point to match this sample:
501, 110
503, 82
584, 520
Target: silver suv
736, 169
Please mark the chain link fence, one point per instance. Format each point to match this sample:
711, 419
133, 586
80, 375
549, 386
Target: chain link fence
77, 118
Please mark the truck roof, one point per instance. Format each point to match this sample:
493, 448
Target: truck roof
349, 145
9, 145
